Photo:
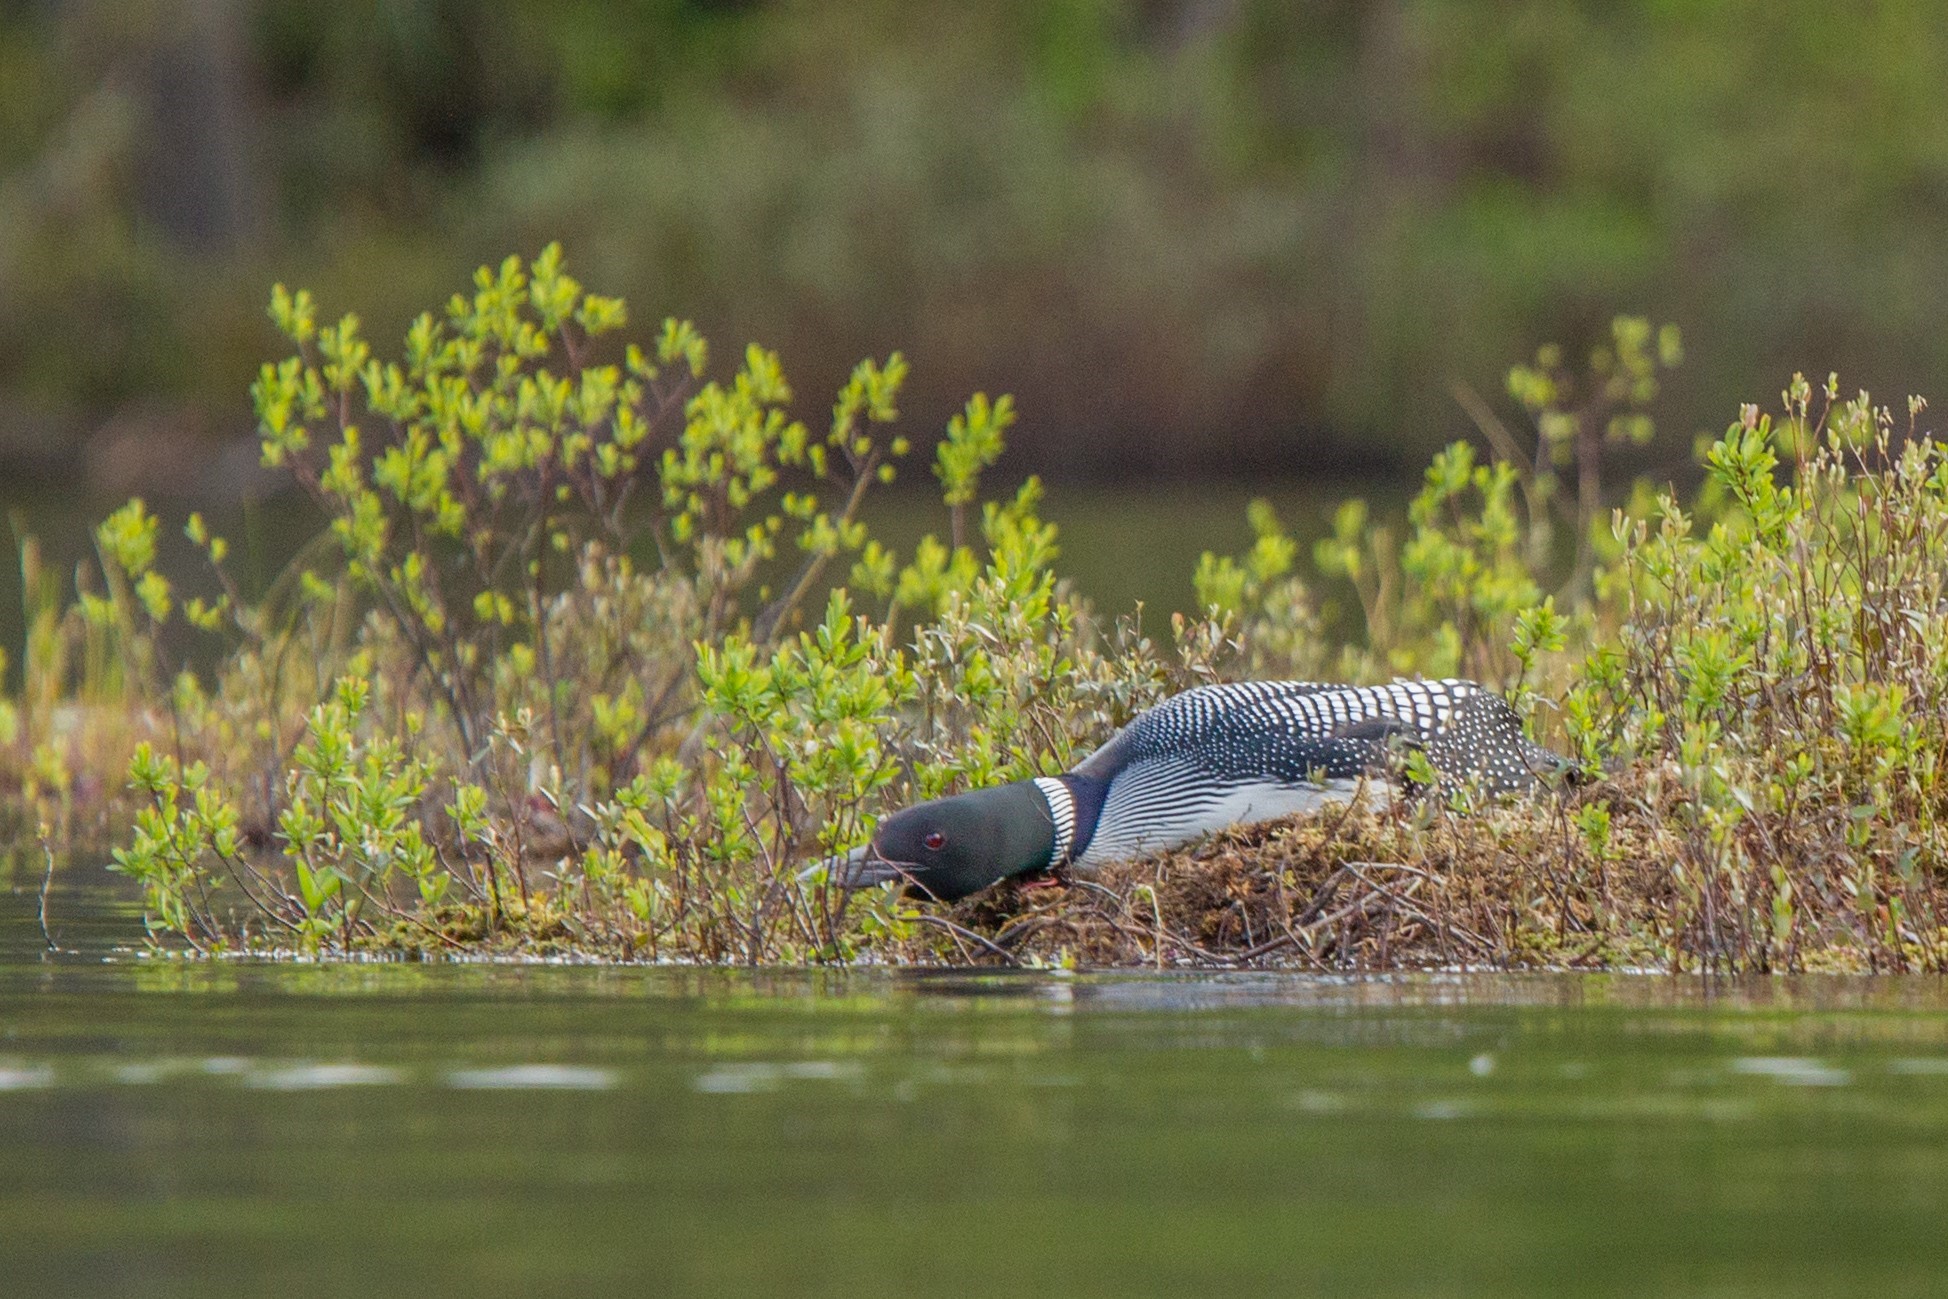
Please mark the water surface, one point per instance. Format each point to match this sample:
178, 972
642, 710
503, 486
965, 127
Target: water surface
172, 1129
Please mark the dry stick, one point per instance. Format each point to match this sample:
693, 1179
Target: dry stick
237, 877
385, 907
1385, 951
1345, 814
1303, 934
47, 884
810, 915
969, 935
1444, 928
1081, 883
469, 880
1156, 914
1132, 940
1281, 903
1020, 928
1320, 898
1204, 953
199, 912
754, 927
1455, 929
1362, 908
462, 717
1357, 866
1589, 489
1382, 889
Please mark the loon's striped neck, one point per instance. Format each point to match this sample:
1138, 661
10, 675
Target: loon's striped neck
1075, 805
1061, 810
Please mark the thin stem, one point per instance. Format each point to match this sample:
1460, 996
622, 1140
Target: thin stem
47, 886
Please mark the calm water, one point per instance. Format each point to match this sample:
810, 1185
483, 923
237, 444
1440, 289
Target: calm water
253, 1128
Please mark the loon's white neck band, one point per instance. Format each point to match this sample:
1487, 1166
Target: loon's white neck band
1061, 810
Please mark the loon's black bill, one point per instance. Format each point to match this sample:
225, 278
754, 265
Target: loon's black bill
862, 868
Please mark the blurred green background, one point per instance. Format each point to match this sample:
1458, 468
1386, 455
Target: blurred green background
1214, 238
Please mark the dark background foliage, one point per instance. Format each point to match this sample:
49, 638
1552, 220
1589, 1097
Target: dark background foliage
1204, 237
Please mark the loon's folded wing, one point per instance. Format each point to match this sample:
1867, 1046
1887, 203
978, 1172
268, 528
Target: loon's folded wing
1180, 721
1282, 729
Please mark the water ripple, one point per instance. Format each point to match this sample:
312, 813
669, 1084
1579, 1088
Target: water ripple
568, 1077
1792, 1070
744, 1077
738, 1079
304, 1076
15, 1078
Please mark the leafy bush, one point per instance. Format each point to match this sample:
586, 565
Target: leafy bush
553, 629
550, 680
1779, 675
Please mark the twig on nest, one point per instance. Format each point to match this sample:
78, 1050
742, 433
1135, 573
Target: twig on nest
968, 935
1018, 929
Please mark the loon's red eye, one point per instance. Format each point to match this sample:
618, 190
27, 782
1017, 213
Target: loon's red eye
934, 841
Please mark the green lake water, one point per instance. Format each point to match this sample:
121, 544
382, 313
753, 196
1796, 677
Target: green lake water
252, 1128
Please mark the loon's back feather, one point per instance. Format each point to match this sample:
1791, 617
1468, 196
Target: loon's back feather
1223, 755
1259, 728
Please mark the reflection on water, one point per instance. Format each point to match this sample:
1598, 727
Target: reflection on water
176, 1128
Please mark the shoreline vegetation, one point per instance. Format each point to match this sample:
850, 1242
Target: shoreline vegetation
595, 655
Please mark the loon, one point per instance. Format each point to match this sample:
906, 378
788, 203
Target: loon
1201, 761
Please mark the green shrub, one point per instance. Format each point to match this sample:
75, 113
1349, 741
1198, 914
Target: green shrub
554, 629
1780, 664
549, 680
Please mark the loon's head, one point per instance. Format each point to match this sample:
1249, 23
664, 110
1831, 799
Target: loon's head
951, 847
